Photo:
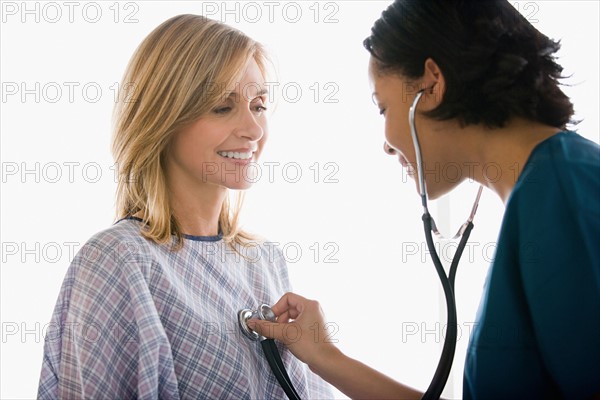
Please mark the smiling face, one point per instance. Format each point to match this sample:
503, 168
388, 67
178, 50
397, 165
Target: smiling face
389, 93
218, 149
394, 96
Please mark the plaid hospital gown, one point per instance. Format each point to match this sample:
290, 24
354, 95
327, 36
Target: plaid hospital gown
135, 320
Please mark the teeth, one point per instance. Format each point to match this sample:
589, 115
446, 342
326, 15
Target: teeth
236, 155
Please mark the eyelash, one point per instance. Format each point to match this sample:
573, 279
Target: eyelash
382, 111
222, 110
225, 110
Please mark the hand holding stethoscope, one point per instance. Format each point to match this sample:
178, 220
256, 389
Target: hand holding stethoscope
300, 326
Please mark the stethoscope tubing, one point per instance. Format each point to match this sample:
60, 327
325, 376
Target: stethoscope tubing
442, 372
276, 363
434, 391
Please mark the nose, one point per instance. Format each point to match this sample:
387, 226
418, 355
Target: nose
388, 150
249, 127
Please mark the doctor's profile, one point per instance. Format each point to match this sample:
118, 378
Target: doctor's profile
470, 83
147, 308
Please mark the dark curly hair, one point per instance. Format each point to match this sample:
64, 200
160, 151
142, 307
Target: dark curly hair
495, 63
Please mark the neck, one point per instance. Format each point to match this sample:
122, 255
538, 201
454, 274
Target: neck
498, 155
196, 206
197, 212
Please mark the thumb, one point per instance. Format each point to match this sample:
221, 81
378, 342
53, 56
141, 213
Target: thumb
271, 330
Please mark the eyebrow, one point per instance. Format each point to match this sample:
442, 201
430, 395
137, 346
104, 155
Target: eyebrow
235, 93
261, 92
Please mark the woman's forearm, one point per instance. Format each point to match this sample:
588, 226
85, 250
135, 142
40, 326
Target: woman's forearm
351, 377
357, 380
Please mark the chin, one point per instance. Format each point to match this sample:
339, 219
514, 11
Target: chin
238, 185
435, 193
434, 196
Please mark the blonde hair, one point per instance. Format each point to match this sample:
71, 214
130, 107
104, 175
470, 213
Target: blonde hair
180, 71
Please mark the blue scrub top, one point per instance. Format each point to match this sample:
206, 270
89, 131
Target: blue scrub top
538, 326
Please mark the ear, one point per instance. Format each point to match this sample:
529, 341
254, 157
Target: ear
433, 82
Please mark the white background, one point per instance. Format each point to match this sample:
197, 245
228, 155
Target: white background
361, 210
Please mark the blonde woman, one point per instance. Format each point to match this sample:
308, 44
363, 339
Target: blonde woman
148, 306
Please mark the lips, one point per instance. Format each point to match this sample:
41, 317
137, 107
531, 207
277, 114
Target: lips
402, 160
236, 155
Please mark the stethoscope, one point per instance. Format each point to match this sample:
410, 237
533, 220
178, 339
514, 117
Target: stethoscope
442, 371
270, 350
445, 364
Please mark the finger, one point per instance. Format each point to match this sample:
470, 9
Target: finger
284, 317
288, 301
268, 329
292, 313
282, 305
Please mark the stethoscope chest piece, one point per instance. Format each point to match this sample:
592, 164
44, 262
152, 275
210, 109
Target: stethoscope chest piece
272, 355
264, 312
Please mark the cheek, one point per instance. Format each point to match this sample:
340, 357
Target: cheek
393, 130
397, 134
191, 146
182, 152
196, 143
264, 138
388, 128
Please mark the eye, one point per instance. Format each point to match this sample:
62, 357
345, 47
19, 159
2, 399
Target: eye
260, 108
222, 110
382, 111
258, 105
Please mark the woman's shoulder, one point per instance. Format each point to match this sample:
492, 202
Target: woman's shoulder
564, 149
121, 242
564, 166
555, 204
122, 232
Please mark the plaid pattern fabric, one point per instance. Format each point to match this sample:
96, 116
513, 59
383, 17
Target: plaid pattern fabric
136, 320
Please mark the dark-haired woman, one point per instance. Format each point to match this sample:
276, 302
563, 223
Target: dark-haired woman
491, 95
